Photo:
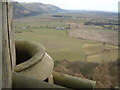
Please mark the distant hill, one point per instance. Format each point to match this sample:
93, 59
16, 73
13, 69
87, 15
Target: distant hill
30, 9
21, 10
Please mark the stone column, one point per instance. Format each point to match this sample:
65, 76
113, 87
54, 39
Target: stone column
8, 48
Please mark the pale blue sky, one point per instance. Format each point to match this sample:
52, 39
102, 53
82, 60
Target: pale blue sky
102, 5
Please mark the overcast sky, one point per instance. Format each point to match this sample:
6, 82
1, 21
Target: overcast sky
102, 5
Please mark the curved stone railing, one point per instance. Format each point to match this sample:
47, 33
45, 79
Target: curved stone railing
32, 60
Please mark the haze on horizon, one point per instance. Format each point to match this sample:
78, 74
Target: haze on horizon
99, 5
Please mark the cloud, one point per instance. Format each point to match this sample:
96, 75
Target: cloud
105, 5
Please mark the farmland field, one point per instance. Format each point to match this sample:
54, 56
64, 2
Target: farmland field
74, 44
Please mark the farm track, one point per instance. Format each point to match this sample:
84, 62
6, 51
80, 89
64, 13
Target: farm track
102, 51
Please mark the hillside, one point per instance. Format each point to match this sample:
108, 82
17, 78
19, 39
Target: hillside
105, 74
41, 8
21, 10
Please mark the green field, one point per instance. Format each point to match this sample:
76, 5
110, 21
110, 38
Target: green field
60, 45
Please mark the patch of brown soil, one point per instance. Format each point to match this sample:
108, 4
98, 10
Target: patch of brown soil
97, 35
